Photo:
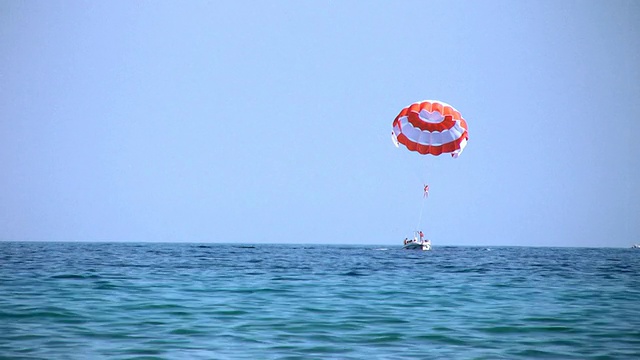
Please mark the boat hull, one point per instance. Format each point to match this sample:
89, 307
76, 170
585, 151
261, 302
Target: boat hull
417, 246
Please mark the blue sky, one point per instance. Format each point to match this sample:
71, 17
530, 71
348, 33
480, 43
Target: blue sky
270, 121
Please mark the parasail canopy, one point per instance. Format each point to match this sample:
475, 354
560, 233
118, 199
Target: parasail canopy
431, 127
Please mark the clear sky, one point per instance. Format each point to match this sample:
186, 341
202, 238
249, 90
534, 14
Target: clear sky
270, 121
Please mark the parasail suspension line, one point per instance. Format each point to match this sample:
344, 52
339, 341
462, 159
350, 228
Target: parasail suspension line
422, 177
420, 217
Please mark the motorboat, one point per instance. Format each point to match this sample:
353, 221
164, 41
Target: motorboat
424, 245
417, 243
636, 246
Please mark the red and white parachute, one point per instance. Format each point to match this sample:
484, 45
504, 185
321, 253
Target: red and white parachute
431, 127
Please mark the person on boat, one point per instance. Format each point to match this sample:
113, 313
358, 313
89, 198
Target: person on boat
406, 240
421, 236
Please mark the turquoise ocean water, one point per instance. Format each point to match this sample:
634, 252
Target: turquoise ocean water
215, 301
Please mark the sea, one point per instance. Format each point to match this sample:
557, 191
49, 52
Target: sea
267, 301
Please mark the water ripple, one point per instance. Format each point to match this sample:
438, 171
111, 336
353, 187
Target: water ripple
203, 301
